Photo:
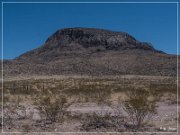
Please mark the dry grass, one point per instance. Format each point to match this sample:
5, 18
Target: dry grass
46, 95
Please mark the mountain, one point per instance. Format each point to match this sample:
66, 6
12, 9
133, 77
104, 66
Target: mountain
90, 51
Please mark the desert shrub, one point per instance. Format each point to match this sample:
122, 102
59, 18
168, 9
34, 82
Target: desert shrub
53, 108
138, 107
102, 122
96, 122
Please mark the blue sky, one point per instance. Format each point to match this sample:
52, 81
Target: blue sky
27, 26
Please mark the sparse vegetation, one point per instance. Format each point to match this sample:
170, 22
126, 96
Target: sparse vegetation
95, 122
139, 108
45, 104
102, 122
53, 108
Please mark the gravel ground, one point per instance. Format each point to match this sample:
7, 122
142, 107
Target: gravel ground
164, 121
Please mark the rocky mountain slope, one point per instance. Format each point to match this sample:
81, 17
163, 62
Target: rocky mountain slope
89, 51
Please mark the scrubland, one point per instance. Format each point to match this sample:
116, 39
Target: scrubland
124, 104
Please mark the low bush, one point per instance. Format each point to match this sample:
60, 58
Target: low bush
53, 108
139, 108
102, 122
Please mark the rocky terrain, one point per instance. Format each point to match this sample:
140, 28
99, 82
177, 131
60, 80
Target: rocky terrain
94, 52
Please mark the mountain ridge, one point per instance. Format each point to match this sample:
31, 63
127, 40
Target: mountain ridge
91, 51
91, 37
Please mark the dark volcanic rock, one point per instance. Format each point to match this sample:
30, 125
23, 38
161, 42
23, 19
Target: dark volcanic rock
80, 39
88, 51
96, 38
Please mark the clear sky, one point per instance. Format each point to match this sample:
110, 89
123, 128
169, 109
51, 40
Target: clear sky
27, 26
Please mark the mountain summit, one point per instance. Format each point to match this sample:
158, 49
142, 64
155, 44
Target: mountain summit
90, 51
76, 40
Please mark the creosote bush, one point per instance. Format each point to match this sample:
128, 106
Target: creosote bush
139, 108
53, 108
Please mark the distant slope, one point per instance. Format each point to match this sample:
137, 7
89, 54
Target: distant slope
88, 51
